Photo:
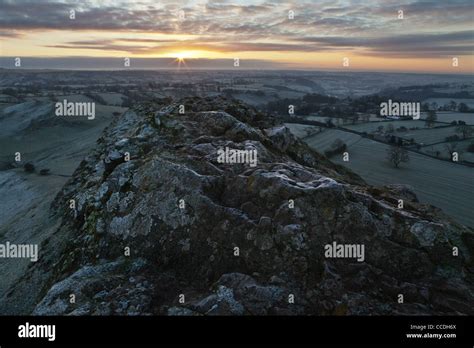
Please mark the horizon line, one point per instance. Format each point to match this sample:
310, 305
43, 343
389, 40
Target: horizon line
94, 63
175, 70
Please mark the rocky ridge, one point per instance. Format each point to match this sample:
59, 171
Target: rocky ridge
225, 239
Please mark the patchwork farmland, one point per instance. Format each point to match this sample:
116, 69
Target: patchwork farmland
440, 183
449, 117
323, 141
373, 126
428, 136
443, 150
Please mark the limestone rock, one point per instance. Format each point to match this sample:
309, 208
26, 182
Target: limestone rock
182, 215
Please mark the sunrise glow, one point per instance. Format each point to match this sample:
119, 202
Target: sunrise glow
295, 35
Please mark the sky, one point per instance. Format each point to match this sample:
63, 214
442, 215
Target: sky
336, 35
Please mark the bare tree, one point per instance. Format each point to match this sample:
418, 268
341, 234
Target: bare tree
462, 107
431, 118
397, 155
451, 148
452, 105
337, 144
465, 130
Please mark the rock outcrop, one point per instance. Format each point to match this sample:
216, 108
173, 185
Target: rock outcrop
153, 223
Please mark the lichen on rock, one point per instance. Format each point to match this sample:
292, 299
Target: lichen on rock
183, 215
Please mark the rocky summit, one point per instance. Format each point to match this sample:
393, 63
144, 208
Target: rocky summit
153, 223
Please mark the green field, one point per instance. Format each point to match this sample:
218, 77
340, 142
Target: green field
422, 135
446, 116
445, 185
42, 145
323, 141
372, 126
428, 136
301, 130
461, 148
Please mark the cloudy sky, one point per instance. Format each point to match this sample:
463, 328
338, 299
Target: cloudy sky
322, 33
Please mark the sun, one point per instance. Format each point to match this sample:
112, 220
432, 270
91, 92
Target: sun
180, 59
181, 56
